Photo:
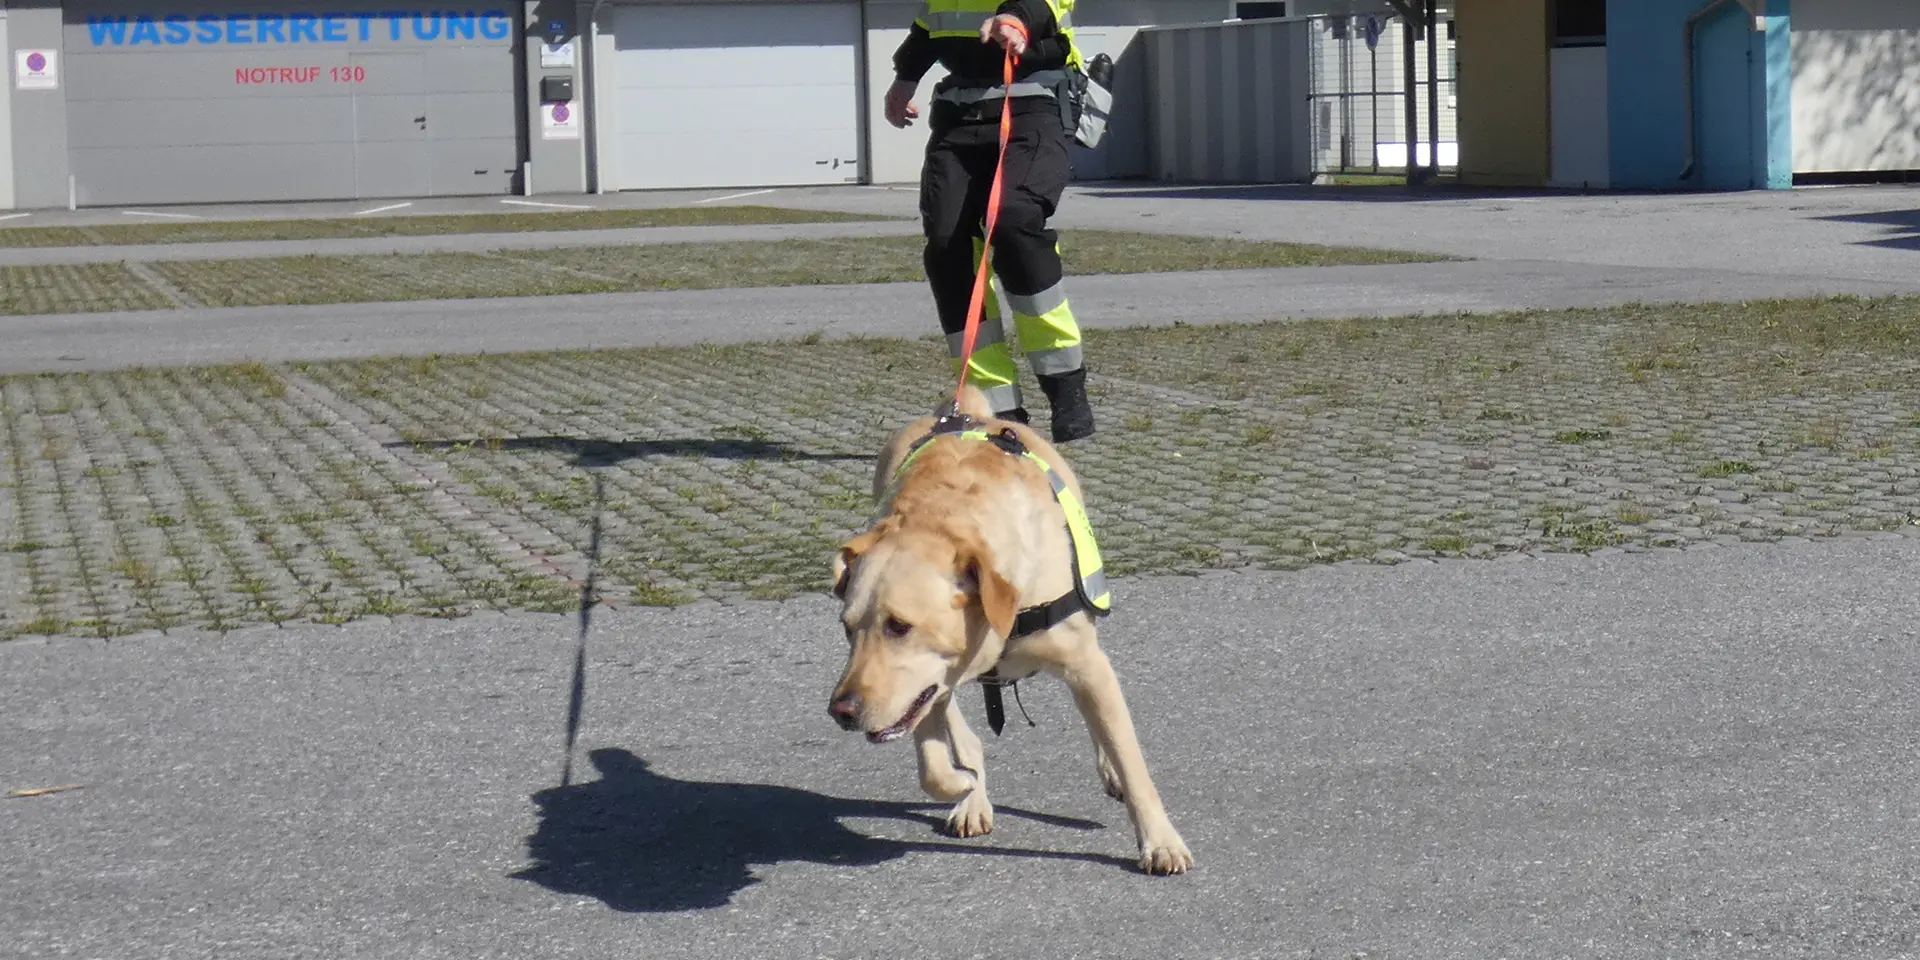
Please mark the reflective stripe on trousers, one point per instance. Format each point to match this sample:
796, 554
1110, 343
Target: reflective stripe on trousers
1049, 335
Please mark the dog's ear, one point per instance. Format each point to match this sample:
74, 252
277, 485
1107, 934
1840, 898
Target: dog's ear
996, 594
843, 561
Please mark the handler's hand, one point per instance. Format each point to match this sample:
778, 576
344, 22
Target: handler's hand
900, 108
1007, 30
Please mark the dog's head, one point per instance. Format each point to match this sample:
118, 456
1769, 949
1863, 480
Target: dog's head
916, 605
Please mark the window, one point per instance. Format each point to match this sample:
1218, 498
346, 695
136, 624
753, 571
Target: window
1579, 23
1260, 9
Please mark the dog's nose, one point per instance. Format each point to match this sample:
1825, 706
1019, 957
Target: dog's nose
846, 710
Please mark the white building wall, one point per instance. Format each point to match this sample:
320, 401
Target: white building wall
1856, 85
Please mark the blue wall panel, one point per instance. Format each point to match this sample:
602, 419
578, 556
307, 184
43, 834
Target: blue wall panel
1740, 93
1723, 100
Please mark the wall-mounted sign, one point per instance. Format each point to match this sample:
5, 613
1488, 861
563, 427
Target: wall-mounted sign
339, 27
36, 69
556, 54
559, 121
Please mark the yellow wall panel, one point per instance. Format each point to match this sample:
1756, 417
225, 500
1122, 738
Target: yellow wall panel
1503, 91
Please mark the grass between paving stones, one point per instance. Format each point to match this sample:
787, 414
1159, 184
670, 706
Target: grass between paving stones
209, 231
327, 491
695, 266
76, 288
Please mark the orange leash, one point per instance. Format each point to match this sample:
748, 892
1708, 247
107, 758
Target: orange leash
976, 308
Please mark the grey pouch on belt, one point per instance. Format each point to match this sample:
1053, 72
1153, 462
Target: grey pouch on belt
1087, 100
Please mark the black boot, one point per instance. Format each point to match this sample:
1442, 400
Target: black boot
1017, 415
1072, 413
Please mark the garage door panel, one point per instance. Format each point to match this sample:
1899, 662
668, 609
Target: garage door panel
230, 116
463, 70
473, 167
770, 66
1856, 86
144, 124
389, 119
206, 76
671, 163
736, 95
773, 111
391, 170
214, 174
733, 26
469, 116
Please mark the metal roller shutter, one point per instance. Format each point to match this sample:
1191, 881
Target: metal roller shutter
182, 103
735, 95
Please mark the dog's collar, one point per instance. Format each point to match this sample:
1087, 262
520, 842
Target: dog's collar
1089, 594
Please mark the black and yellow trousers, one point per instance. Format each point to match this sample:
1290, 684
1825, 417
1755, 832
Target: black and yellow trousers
954, 187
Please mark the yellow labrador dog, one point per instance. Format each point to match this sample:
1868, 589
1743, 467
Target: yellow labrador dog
957, 578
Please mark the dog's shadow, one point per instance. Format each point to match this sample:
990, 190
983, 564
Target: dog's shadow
646, 843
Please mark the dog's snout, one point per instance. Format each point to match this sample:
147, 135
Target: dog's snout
846, 710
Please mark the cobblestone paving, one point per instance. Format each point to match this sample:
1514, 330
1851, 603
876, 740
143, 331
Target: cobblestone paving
148, 499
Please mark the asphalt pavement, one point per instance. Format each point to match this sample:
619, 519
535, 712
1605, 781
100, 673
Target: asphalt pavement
1700, 753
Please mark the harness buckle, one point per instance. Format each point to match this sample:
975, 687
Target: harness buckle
951, 420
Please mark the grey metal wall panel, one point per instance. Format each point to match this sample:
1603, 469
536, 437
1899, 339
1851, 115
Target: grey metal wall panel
173, 102
1227, 102
39, 116
6, 123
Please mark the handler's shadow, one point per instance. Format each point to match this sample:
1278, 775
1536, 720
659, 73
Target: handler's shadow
645, 843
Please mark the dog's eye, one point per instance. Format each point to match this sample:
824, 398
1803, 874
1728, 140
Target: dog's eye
897, 627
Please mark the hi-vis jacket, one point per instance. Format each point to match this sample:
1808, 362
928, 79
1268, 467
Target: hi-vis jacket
948, 32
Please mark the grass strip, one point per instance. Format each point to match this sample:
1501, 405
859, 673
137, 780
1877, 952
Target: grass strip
427, 225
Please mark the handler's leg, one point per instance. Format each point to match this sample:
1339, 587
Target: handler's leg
1027, 258
953, 204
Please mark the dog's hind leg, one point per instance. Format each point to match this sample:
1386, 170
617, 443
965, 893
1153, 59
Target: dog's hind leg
932, 741
973, 815
1096, 692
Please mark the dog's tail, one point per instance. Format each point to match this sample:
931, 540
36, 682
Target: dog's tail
974, 403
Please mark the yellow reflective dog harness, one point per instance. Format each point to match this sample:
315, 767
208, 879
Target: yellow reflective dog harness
1090, 578
1090, 592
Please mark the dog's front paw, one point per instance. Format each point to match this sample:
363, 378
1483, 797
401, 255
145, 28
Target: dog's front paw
1165, 856
972, 817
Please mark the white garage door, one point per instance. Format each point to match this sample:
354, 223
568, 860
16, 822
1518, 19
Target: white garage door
736, 95
1856, 85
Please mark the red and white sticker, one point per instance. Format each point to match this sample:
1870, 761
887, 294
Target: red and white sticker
560, 121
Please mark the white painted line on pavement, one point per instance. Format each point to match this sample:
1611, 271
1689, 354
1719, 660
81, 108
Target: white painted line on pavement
390, 206
170, 216
15, 216
555, 206
734, 196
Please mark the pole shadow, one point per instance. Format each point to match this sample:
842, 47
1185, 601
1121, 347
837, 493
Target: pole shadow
587, 452
641, 842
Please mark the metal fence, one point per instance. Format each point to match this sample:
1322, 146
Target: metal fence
1357, 95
